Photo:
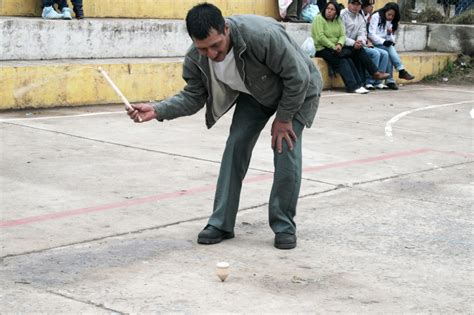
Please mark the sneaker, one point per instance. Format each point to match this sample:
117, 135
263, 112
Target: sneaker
370, 87
361, 90
403, 74
212, 235
67, 13
381, 86
392, 86
285, 241
380, 75
50, 14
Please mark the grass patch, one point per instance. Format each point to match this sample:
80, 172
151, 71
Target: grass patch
460, 71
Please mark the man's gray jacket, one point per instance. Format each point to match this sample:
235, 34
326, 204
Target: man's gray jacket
273, 68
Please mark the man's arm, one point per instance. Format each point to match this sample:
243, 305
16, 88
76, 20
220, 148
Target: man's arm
190, 100
374, 24
285, 59
346, 21
187, 102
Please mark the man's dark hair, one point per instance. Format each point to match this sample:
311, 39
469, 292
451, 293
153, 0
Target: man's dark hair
383, 20
336, 5
202, 18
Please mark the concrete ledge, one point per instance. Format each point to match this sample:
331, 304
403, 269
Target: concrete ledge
41, 84
38, 39
451, 38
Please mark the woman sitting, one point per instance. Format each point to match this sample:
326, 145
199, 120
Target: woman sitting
329, 37
382, 28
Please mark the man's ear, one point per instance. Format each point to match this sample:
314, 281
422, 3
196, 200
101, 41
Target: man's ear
226, 29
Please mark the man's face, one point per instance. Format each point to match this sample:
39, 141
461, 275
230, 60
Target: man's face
354, 7
215, 46
368, 9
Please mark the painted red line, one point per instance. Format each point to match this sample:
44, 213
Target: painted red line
134, 202
466, 155
196, 190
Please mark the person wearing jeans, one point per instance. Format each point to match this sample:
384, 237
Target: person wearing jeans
329, 39
382, 27
377, 55
365, 59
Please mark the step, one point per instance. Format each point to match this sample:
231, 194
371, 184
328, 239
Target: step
38, 39
42, 84
164, 9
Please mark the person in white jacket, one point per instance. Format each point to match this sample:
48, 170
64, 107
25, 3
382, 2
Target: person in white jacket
382, 28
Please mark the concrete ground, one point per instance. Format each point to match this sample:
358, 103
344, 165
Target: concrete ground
100, 215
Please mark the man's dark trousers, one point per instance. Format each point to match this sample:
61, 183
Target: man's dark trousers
248, 121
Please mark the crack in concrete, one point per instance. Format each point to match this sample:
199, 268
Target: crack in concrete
337, 187
88, 302
128, 146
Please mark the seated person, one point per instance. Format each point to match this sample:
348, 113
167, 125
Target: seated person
329, 38
382, 27
365, 56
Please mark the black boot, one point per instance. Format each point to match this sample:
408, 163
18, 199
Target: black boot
285, 241
403, 74
213, 235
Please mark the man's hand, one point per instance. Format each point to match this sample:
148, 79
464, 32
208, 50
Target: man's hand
282, 130
141, 112
338, 48
358, 44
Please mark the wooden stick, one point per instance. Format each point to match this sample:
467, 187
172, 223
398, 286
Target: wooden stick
117, 91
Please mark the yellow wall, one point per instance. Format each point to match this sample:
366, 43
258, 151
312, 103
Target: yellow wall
52, 84
163, 9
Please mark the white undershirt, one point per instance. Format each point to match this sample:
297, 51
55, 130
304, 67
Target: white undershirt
226, 72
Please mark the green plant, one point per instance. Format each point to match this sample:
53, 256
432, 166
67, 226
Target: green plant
431, 15
467, 17
459, 71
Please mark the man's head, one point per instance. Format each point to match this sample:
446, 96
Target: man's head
208, 30
354, 6
368, 6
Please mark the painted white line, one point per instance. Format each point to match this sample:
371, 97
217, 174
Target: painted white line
336, 94
59, 117
391, 122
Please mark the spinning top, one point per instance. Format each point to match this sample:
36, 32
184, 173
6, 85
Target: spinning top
222, 270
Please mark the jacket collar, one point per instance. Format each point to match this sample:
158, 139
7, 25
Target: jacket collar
237, 43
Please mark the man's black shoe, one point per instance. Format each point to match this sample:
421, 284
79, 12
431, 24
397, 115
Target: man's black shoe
392, 86
285, 241
212, 235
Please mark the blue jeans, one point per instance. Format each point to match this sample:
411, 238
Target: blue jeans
381, 59
393, 55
